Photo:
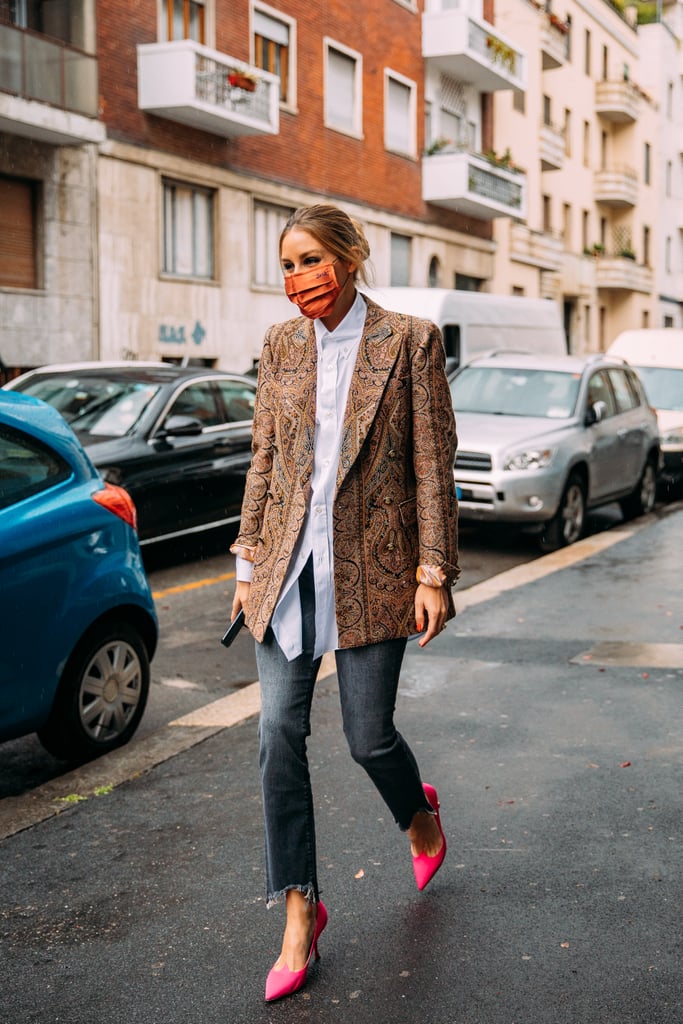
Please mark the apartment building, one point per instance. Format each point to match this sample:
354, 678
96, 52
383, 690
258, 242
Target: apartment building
151, 150
593, 137
151, 226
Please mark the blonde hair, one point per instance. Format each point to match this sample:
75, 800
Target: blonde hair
340, 234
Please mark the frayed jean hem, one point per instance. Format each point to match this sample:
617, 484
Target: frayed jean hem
307, 891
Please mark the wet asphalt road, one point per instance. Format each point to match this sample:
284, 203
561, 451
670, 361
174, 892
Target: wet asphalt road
559, 772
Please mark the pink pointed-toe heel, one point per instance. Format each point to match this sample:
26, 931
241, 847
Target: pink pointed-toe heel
426, 867
284, 982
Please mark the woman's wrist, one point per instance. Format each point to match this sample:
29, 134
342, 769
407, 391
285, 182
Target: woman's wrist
431, 576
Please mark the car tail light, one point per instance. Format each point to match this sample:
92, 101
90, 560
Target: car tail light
118, 501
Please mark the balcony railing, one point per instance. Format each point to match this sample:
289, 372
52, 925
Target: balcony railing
467, 48
617, 273
553, 42
57, 76
617, 101
541, 249
193, 85
616, 186
473, 185
552, 146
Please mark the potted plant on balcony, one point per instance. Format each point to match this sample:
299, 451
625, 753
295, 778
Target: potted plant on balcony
500, 51
438, 145
557, 23
627, 253
244, 80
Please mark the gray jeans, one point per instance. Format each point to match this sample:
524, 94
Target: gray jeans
368, 683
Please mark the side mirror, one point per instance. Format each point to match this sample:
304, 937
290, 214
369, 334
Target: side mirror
595, 413
180, 426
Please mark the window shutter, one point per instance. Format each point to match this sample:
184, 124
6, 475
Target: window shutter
17, 238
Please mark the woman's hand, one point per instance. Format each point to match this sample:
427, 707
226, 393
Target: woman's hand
241, 598
431, 608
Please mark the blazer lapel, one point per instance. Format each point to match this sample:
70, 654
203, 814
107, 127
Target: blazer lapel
377, 353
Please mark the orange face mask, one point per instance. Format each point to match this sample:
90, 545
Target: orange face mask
314, 291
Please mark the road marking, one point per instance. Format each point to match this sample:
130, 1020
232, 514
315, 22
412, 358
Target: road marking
532, 571
182, 588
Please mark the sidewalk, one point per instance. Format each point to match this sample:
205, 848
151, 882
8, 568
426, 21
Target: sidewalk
549, 718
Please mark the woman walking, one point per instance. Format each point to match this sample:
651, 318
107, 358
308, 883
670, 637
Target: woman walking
347, 543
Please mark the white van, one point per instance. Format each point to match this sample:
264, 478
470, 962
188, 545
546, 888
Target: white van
475, 323
657, 354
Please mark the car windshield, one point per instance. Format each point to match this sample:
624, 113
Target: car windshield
664, 386
513, 391
95, 405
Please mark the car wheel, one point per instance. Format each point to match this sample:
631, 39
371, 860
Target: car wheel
641, 500
102, 693
566, 526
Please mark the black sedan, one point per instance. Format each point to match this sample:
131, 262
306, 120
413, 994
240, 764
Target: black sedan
177, 438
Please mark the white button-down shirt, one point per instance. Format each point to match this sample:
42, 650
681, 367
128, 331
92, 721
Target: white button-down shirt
337, 351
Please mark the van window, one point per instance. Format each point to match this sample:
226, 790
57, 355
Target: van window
451, 340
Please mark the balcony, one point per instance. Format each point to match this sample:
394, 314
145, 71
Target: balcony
554, 36
189, 83
469, 49
540, 249
48, 90
617, 273
616, 187
473, 185
551, 146
617, 101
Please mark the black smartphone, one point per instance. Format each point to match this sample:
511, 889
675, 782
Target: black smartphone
233, 629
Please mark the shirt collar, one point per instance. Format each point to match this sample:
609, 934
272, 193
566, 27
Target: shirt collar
350, 328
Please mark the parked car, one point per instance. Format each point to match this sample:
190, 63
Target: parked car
177, 438
541, 439
78, 623
657, 355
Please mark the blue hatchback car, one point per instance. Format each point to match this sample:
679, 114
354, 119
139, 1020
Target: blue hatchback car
78, 627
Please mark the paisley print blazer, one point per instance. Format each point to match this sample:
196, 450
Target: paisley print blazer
395, 506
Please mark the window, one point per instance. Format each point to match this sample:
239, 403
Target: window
547, 214
467, 283
669, 173
342, 89
519, 101
587, 53
183, 19
667, 254
399, 115
18, 237
238, 400
600, 391
603, 232
647, 163
585, 224
269, 220
605, 64
587, 324
547, 111
567, 225
567, 132
434, 273
400, 259
586, 144
273, 37
199, 402
603, 151
27, 467
646, 246
188, 231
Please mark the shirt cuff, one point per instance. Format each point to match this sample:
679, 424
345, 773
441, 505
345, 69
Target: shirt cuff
244, 569
430, 575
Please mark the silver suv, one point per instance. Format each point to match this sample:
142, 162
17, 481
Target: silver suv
543, 438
